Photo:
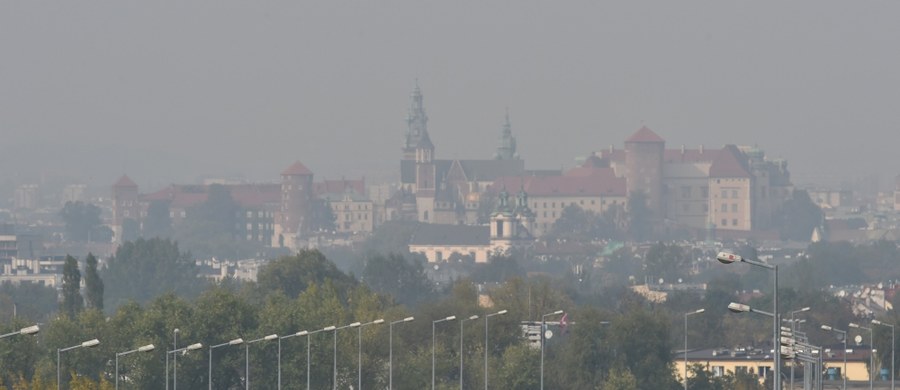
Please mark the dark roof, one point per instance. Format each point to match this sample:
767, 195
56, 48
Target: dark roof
124, 181
730, 163
645, 135
435, 234
425, 142
297, 169
475, 170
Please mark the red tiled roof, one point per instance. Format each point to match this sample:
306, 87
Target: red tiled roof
297, 169
730, 163
246, 195
580, 181
645, 135
340, 186
124, 181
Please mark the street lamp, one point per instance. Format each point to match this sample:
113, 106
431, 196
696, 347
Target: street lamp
794, 330
433, 323
146, 348
174, 361
33, 329
237, 341
391, 350
359, 349
86, 344
543, 325
876, 322
501, 312
174, 353
300, 333
686, 345
871, 351
461, 322
844, 336
334, 367
247, 357
729, 258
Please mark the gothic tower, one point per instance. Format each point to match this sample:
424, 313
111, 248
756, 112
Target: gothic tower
507, 148
416, 124
296, 195
643, 167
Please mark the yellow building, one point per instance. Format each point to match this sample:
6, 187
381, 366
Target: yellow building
757, 361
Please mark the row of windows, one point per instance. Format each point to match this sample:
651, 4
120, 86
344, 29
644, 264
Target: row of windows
734, 194
724, 208
687, 192
734, 222
563, 205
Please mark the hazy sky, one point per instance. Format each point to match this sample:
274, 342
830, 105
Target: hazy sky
170, 90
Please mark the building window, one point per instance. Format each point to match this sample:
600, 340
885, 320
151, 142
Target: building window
724, 207
734, 222
718, 371
685, 207
724, 222
734, 194
704, 192
686, 192
705, 208
734, 207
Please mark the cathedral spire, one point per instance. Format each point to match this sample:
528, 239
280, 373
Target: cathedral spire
507, 148
416, 123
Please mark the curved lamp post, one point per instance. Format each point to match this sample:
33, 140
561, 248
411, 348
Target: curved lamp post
876, 322
59, 351
174, 353
174, 361
33, 329
729, 258
686, 345
247, 357
237, 341
300, 333
543, 339
871, 351
334, 366
794, 330
433, 323
499, 313
146, 348
461, 322
391, 350
359, 349
843, 336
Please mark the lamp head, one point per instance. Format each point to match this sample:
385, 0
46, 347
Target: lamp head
302, 333
699, 311
876, 322
738, 307
826, 327
804, 309
408, 319
853, 325
728, 257
236, 341
558, 312
475, 317
355, 324
30, 330
194, 346
329, 328
90, 343
147, 348
451, 318
378, 321
270, 337
502, 311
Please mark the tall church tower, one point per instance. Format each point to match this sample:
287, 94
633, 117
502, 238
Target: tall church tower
507, 148
416, 124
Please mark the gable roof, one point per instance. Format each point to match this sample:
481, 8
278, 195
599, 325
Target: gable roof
460, 235
297, 169
730, 163
646, 135
124, 181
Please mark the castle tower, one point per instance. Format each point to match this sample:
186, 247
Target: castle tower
296, 195
507, 148
124, 204
416, 124
643, 167
426, 173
